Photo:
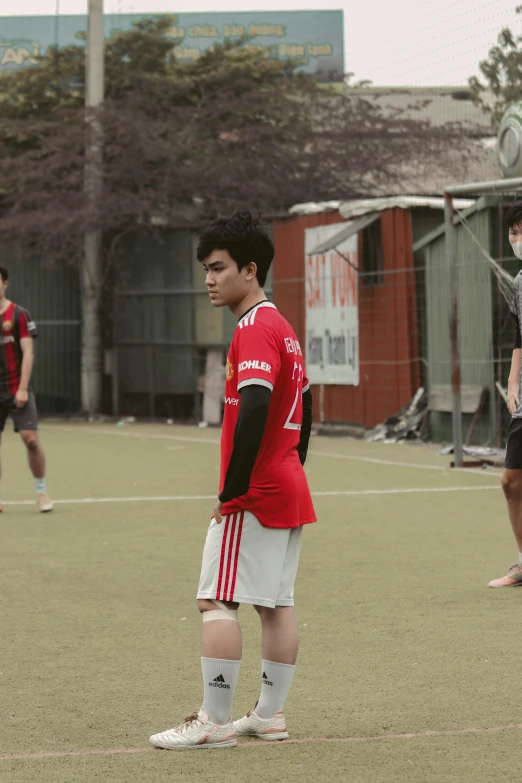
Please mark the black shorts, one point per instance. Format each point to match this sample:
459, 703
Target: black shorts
514, 446
25, 418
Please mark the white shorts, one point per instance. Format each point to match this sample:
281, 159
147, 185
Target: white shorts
244, 561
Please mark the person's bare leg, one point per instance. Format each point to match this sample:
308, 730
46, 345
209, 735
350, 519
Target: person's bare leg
35, 453
512, 486
220, 638
279, 634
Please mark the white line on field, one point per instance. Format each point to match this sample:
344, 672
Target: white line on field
378, 461
333, 455
149, 436
327, 493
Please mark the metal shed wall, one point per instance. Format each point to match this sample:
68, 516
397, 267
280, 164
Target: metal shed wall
52, 296
475, 321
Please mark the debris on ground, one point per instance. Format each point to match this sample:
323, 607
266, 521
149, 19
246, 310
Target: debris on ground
406, 424
479, 452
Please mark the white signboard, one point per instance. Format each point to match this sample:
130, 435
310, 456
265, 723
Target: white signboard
332, 315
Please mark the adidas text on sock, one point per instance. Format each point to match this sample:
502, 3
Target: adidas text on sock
276, 679
219, 685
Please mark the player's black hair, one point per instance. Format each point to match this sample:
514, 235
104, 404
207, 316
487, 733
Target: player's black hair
244, 239
514, 214
4, 274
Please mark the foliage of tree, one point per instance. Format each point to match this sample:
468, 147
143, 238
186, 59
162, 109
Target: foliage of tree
184, 141
500, 83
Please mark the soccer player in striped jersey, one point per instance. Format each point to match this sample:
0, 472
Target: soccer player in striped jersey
252, 546
18, 332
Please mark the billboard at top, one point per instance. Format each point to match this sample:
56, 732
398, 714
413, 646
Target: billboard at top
314, 37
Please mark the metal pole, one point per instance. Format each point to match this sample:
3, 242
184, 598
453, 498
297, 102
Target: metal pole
492, 186
115, 381
91, 270
451, 255
150, 372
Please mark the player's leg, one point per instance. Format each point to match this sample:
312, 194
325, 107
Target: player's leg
221, 645
280, 643
1, 507
512, 486
26, 423
4, 413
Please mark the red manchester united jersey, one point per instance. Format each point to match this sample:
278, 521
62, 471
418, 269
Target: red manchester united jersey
265, 351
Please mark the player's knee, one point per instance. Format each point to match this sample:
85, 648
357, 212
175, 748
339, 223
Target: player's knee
228, 608
204, 605
511, 483
31, 440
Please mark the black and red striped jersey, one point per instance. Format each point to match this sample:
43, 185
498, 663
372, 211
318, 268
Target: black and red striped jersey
15, 324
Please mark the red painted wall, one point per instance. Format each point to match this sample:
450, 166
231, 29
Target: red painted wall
388, 328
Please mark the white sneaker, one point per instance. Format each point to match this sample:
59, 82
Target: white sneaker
196, 731
265, 728
44, 503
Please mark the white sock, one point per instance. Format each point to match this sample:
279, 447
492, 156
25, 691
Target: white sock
276, 679
520, 558
219, 684
40, 486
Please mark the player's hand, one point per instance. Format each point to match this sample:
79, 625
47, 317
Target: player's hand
513, 399
21, 398
217, 512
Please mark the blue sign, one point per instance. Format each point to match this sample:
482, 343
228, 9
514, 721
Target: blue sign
315, 38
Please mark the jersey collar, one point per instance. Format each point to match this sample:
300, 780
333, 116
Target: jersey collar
262, 303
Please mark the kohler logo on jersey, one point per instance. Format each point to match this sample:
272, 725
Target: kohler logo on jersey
254, 364
231, 400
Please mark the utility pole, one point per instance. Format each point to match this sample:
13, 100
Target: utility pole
91, 279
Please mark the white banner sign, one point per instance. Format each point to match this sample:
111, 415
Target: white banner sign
332, 316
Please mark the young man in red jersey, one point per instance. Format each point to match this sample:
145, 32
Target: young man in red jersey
252, 548
17, 399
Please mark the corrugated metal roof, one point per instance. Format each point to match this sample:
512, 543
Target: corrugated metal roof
345, 233
349, 209
358, 207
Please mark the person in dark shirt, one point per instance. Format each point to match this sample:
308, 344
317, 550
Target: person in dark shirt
17, 399
512, 476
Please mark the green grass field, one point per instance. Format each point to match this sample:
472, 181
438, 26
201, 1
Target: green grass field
99, 631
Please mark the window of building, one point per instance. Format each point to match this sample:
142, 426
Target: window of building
372, 266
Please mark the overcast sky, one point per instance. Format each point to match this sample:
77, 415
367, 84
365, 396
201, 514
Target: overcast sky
391, 42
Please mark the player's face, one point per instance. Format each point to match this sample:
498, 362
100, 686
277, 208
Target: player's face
3, 287
227, 285
515, 233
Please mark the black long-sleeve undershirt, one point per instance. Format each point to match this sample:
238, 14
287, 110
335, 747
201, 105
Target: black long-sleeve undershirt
306, 426
250, 427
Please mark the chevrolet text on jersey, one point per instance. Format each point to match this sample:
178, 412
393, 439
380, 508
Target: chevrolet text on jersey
255, 365
292, 346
